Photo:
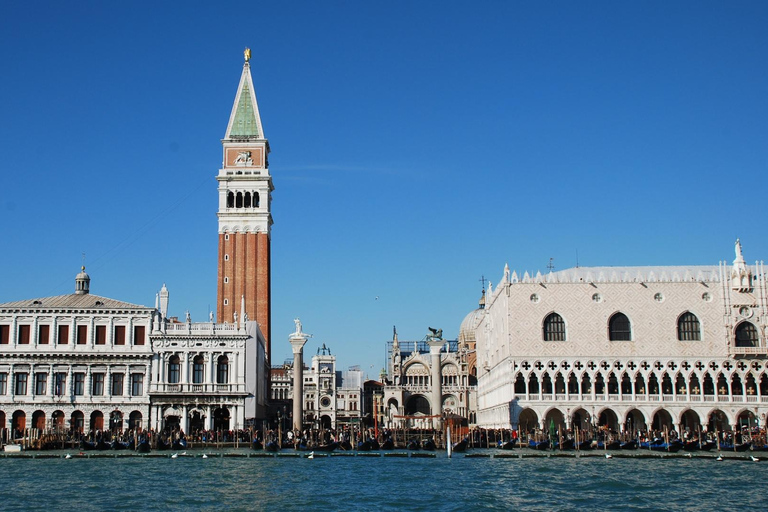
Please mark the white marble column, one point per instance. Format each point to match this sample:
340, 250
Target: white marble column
297, 341
437, 389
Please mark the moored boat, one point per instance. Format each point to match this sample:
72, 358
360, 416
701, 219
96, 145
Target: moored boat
256, 444
629, 445
428, 444
388, 444
461, 446
539, 445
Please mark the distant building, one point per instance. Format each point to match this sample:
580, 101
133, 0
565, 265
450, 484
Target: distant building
678, 347
332, 398
409, 386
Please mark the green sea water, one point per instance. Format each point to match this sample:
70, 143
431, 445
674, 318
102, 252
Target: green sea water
382, 483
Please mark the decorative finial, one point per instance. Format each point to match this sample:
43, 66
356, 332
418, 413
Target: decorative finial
247, 54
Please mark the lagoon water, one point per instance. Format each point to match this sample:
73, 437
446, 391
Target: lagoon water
382, 483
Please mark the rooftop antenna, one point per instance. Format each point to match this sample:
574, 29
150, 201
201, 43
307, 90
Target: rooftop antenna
551, 265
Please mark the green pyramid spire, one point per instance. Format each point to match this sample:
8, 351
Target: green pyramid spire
244, 124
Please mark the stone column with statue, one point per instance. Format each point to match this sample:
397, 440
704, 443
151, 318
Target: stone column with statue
298, 339
435, 342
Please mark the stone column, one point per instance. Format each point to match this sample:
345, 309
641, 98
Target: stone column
297, 340
437, 387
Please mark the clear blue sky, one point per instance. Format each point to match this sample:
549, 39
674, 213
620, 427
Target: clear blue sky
416, 146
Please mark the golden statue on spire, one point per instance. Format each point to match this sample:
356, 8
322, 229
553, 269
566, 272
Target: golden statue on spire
247, 54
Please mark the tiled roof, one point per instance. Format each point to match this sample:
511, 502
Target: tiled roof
73, 301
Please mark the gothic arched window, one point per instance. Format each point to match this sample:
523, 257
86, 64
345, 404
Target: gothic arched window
746, 335
619, 328
688, 328
554, 328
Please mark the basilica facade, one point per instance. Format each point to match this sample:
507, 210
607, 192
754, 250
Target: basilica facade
679, 347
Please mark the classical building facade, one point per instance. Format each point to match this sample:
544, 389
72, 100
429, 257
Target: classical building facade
680, 347
77, 361
427, 378
245, 217
207, 375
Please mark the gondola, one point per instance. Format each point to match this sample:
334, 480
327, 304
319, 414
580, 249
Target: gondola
729, 447
87, 445
272, 446
539, 445
346, 446
613, 445
508, 445
180, 444
365, 446
708, 445
256, 444
413, 445
118, 445
143, 447
589, 444
629, 445
672, 447
691, 446
567, 444
428, 444
461, 446
163, 444
388, 444
326, 447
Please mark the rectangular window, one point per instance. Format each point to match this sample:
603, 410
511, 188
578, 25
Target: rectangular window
5, 334
117, 384
119, 335
3, 383
63, 334
21, 383
23, 335
137, 384
43, 334
41, 381
138, 335
97, 384
60, 389
101, 334
79, 384
82, 334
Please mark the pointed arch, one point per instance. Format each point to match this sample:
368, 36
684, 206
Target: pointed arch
554, 328
688, 327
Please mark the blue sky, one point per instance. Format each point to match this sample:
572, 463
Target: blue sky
416, 146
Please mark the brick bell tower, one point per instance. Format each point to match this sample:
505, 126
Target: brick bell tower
245, 220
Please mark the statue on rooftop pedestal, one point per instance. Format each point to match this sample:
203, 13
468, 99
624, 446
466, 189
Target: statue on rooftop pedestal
434, 334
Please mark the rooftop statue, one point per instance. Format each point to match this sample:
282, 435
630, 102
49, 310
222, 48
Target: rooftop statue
434, 334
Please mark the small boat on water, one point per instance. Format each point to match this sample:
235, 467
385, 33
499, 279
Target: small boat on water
461, 446
345, 445
539, 445
613, 445
180, 444
388, 444
413, 444
740, 447
272, 446
326, 447
567, 444
507, 445
256, 444
629, 445
428, 445
143, 447
589, 444
659, 445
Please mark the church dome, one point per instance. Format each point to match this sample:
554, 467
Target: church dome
470, 322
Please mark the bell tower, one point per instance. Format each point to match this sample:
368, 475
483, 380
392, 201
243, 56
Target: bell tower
245, 219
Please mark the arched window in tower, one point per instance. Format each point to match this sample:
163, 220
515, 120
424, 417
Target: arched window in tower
619, 328
239, 200
554, 328
255, 199
247, 203
688, 328
222, 370
230, 200
198, 370
746, 335
173, 369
